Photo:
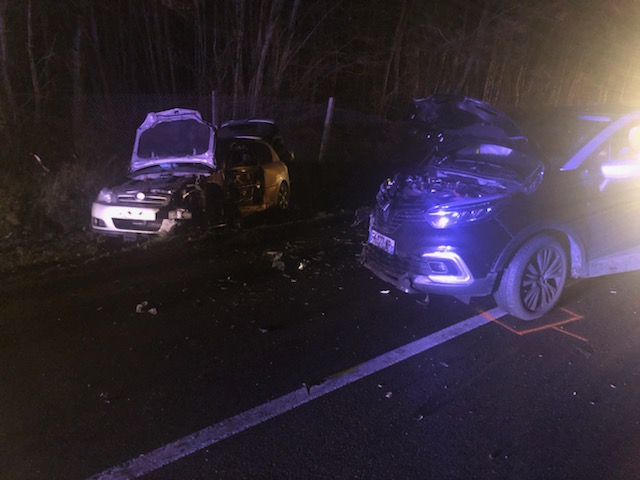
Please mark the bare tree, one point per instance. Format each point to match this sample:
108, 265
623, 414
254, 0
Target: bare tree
8, 105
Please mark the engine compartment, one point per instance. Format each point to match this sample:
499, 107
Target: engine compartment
429, 189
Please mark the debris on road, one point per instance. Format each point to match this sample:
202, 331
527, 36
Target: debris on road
142, 308
385, 292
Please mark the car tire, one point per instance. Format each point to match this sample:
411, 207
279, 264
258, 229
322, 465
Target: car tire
533, 281
284, 197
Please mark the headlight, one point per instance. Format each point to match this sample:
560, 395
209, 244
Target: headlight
105, 196
445, 216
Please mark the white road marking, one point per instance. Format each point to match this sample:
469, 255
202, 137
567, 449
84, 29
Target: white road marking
208, 436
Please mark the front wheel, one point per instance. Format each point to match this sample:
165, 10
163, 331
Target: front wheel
534, 279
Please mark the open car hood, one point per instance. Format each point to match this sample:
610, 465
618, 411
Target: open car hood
175, 136
254, 128
449, 119
474, 153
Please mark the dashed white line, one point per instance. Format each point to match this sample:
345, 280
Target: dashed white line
208, 436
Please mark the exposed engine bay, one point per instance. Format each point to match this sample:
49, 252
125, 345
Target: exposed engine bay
430, 190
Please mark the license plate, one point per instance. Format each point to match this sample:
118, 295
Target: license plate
133, 213
382, 241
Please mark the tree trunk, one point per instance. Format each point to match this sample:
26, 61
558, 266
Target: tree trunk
264, 45
35, 82
238, 64
8, 107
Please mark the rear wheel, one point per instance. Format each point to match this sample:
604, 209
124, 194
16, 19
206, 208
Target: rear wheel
534, 279
282, 202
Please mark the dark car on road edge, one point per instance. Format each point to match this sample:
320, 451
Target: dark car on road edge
510, 210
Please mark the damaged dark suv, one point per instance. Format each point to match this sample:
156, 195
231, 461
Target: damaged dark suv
510, 210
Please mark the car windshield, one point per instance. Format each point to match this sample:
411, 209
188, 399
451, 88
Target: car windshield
180, 138
558, 137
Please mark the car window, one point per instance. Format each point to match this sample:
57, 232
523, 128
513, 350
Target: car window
264, 154
241, 156
559, 137
619, 153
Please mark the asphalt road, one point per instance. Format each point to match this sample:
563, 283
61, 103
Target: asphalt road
122, 355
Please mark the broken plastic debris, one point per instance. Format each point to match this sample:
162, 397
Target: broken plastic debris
303, 264
275, 256
141, 306
385, 292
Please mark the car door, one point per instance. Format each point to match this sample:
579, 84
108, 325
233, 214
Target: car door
272, 173
611, 191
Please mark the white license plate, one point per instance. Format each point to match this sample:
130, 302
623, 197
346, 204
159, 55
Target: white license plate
133, 213
382, 241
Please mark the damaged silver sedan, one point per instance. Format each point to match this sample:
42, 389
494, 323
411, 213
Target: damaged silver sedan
185, 172
173, 149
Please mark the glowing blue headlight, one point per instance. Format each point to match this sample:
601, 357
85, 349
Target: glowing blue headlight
105, 196
445, 216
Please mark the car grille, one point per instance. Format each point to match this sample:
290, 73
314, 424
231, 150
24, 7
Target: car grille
139, 225
389, 222
150, 200
397, 265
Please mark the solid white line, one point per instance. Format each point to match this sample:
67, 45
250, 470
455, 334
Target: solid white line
208, 436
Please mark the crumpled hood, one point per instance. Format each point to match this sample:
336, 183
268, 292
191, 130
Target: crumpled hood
174, 136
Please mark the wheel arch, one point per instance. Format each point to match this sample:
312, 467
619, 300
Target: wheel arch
567, 237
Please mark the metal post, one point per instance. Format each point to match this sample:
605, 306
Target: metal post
327, 128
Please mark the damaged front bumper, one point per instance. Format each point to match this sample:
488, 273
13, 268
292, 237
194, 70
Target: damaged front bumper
439, 272
126, 221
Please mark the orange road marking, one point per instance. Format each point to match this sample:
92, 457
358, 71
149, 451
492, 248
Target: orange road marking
555, 326
570, 334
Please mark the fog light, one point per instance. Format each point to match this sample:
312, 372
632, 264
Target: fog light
438, 267
447, 267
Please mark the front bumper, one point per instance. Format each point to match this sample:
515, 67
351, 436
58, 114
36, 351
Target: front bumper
424, 274
127, 220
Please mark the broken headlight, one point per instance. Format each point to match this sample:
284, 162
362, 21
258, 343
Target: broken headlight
105, 196
445, 216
